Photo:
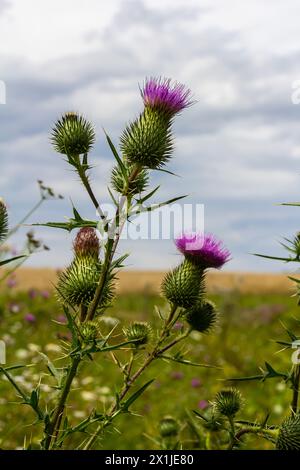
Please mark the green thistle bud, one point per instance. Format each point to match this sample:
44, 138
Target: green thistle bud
3, 221
73, 135
213, 420
77, 285
119, 181
139, 332
90, 331
168, 427
228, 402
87, 243
289, 434
202, 317
184, 284
148, 140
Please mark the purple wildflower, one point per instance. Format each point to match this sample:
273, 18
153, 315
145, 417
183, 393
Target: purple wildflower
45, 294
205, 250
61, 319
161, 93
202, 404
30, 318
177, 375
32, 293
11, 282
195, 383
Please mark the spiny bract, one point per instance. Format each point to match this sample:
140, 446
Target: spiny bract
183, 285
119, 181
148, 140
202, 317
77, 285
289, 434
73, 135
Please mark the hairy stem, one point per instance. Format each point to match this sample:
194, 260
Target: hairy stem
127, 387
296, 383
58, 413
111, 247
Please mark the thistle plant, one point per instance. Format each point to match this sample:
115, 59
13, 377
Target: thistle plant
86, 288
231, 433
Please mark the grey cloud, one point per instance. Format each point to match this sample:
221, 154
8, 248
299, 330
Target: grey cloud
221, 164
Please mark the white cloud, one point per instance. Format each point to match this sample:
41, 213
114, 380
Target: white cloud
237, 148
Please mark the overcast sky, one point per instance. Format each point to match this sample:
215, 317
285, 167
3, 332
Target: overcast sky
237, 149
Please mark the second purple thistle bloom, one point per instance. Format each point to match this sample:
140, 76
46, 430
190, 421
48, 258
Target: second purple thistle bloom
162, 93
203, 249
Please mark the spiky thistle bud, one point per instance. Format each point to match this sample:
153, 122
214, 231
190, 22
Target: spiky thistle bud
168, 427
228, 402
78, 283
120, 184
212, 420
73, 135
202, 317
89, 331
138, 332
184, 285
87, 243
203, 250
289, 434
3, 220
148, 140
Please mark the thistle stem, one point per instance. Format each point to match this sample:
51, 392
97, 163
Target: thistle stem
111, 247
151, 357
86, 184
296, 383
58, 413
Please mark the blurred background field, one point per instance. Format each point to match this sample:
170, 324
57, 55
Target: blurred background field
251, 315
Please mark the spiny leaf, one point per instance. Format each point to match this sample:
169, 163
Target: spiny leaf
147, 196
116, 155
188, 363
276, 258
157, 206
136, 395
6, 261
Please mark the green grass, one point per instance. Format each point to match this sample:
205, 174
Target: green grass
240, 344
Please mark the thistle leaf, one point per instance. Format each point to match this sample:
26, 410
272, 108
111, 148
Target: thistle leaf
136, 395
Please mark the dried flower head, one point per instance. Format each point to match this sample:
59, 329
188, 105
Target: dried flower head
204, 250
87, 243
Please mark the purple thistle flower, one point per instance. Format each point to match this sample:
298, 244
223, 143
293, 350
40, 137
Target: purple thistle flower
177, 375
195, 383
204, 250
161, 93
30, 318
45, 294
32, 293
202, 404
11, 282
